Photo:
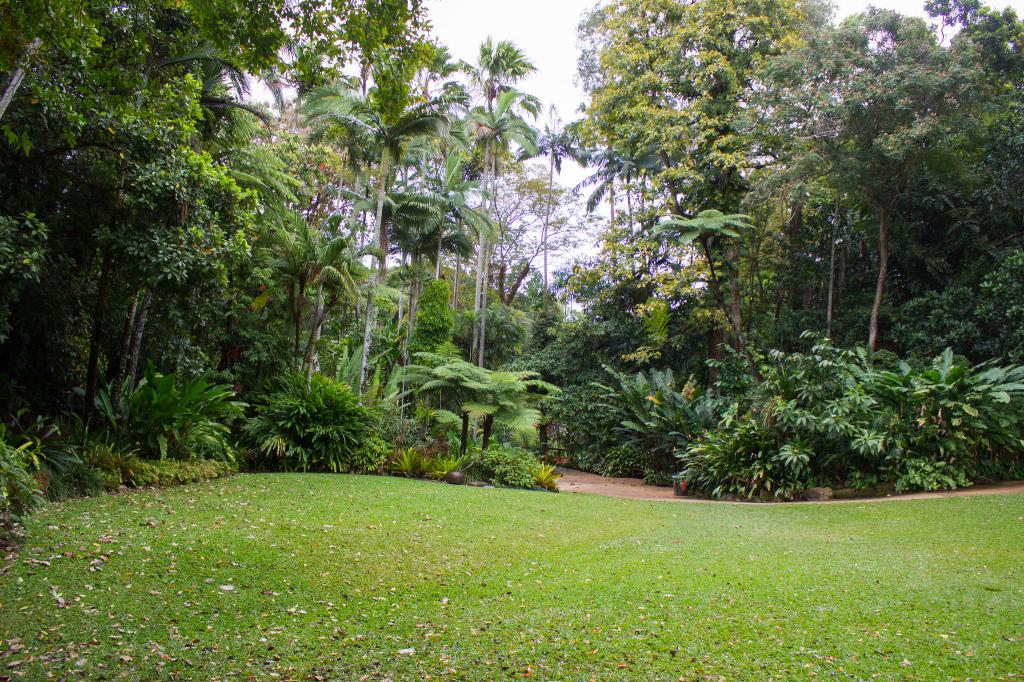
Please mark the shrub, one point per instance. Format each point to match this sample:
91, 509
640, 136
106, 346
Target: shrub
163, 417
544, 476
623, 460
659, 417
19, 490
832, 415
505, 466
117, 467
321, 427
76, 480
440, 467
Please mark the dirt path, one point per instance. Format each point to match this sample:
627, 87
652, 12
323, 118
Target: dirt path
573, 481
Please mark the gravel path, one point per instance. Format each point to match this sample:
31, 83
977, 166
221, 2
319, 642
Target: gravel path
573, 481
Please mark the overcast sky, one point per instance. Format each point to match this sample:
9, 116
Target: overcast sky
546, 31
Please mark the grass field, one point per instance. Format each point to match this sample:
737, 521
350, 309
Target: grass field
348, 578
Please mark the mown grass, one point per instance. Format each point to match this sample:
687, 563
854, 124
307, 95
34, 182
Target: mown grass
339, 577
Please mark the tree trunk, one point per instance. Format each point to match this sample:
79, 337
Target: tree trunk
884, 215
486, 267
481, 248
297, 323
483, 308
611, 200
629, 230
455, 285
96, 334
487, 426
18, 75
310, 356
547, 218
382, 244
465, 434
140, 328
126, 343
831, 273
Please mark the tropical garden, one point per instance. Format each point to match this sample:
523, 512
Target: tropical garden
303, 304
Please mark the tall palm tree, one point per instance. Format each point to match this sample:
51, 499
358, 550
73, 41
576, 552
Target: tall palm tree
453, 194
340, 107
499, 66
495, 130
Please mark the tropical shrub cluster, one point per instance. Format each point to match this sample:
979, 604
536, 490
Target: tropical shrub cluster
314, 424
166, 417
829, 417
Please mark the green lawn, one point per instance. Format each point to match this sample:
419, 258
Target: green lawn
341, 577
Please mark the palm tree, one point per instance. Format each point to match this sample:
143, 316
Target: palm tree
495, 130
453, 194
611, 167
500, 66
308, 259
340, 107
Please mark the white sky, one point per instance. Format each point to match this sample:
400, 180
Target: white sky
546, 32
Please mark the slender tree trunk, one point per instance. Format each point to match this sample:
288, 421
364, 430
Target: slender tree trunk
547, 218
455, 288
487, 426
477, 289
483, 307
481, 248
96, 335
884, 215
831, 273
382, 244
18, 75
465, 434
126, 343
310, 356
486, 266
297, 323
140, 328
629, 229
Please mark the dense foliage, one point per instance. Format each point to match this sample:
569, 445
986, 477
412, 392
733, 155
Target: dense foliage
304, 236
315, 426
